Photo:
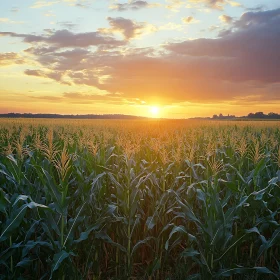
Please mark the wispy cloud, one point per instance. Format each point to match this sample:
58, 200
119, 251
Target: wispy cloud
76, 3
15, 10
81, 97
67, 24
174, 5
9, 21
65, 38
40, 4
170, 26
133, 5
10, 58
226, 19
49, 14
54, 75
215, 4
188, 20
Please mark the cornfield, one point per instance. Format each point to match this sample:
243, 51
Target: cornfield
139, 199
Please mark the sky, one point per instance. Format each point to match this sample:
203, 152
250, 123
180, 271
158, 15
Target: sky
159, 58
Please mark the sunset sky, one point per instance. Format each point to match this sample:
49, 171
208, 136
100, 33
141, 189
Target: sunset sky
170, 58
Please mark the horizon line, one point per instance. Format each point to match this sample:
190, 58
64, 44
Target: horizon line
126, 116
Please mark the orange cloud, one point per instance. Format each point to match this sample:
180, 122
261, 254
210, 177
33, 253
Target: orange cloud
10, 58
128, 28
225, 19
188, 20
241, 62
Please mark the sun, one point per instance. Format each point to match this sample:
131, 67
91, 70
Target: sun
154, 111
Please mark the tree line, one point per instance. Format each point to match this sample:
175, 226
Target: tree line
257, 115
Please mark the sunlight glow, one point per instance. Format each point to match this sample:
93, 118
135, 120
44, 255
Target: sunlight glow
154, 110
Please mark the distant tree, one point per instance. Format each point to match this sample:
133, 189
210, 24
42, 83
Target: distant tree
272, 115
260, 115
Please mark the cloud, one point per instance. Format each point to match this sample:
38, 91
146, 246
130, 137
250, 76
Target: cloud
242, 62
248, 52
54, 75
75, 3
7, 20
57, 76
259, 8
81, 4
86, 98
40, 4
216, 4
67, 24
65, 38
167, 79
169, 26
36, 73
234, 4
49, 14
4, 20
188, 20
213, 28
226, 19
128, 28
251, 19
246, 61
15, 9
10, 58
131, 5
174, 5
48, 98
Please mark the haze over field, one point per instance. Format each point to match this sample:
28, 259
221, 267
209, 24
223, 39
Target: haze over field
161, 58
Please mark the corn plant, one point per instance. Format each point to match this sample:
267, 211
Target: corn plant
83, 199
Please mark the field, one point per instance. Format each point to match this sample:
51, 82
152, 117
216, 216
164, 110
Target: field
139, 199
